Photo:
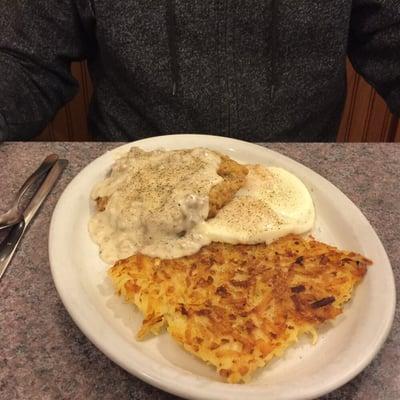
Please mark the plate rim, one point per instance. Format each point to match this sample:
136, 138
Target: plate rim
179, 388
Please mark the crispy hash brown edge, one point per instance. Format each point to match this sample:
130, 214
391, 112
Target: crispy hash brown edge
237, 307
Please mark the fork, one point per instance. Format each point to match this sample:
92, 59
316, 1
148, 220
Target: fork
14, 214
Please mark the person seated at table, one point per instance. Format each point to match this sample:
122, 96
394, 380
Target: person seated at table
255, 70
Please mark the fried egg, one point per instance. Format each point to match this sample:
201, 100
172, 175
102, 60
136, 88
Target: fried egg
272, 203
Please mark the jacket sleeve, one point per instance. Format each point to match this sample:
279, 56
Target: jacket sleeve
38, 41
374, 46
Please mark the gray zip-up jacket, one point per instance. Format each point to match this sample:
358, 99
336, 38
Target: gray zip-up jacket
252, 69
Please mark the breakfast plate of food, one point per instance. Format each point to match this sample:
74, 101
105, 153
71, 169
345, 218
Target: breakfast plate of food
218, 269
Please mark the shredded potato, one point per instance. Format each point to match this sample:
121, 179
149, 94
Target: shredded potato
237, 307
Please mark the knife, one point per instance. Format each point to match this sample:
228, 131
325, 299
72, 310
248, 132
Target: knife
11, 241
14, 215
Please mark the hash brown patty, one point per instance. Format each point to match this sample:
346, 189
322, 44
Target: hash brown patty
238, 306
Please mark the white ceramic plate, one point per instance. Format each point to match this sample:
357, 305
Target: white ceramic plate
344, 347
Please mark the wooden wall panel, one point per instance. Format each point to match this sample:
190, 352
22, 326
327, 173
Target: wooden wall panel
79, 107
70, 123
397, 133
365, 117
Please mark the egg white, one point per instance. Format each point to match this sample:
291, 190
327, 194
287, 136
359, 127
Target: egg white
272, 203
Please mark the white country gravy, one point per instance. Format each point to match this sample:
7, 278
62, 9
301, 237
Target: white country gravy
155, 201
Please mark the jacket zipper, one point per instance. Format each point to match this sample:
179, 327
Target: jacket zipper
226, 70
273, 42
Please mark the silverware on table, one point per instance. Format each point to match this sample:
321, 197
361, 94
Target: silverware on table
14, 214
11, 241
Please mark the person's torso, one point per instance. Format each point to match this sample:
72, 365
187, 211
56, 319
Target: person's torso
258, 70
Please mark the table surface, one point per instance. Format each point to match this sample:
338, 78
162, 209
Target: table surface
43, 355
